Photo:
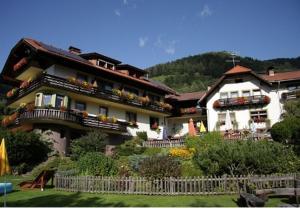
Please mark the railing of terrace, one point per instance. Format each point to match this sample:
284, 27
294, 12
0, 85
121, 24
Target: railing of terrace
70, 116
61, 83
242, 101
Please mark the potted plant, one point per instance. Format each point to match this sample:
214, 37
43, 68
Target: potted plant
117, 92
85, 114
216, 104
102, 118
266, 100
11, 92
30, 107
63, 108
144, 100
24, 84
72, 80
241, 100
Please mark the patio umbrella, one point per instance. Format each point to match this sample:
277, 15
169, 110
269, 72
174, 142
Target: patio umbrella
192, 131
202, 127
228, 123
4, 166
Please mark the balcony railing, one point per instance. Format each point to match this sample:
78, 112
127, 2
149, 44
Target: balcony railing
61, 83
69, 116
291, 95
242, 101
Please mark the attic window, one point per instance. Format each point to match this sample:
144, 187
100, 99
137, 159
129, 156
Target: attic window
101, 63
238, 80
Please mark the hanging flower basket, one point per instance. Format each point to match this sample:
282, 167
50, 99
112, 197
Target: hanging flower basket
20, 64
11, 93
216, 104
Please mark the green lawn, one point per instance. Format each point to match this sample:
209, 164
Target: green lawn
52, 198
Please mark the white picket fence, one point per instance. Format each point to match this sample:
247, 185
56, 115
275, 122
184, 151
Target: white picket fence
164, 143
170, 186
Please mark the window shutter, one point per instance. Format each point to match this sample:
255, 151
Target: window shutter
38, 99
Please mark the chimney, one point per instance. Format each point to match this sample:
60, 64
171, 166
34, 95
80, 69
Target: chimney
74, 50
270, 71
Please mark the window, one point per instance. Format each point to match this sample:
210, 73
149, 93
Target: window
80, 106
154, 98
222, 117
101, 63
131, 90
154, 123
106, 86
81, 77
246, 93
59, 101
256, 92
223, 95
131, 117
103, 111
258, 116
47, 99
234, 94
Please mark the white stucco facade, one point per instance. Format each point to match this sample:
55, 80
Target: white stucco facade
241, 114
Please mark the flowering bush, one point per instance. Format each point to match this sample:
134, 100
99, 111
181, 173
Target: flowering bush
24, 84
164, 105
216, 104
186, 153
9, 119
20, 64
85, 114
241, 100
189, 110
11, 92
144, 100
266, 99
112, 120
102, 118
117, 92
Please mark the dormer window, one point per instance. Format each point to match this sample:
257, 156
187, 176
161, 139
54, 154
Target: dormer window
101, 63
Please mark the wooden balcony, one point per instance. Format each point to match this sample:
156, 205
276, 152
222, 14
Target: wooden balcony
290, 95
61, 83
258, 100
68, 116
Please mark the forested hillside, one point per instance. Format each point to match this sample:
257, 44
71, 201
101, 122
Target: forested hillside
195, 73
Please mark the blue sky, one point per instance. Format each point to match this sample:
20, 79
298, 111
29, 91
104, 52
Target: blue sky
147, 32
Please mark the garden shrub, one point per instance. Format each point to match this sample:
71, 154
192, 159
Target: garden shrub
246, 157
142, 135
135, 161
188, 168
160, 167
25, 149
154, 151
287, 131
96, 164
182, 152
130, 147
94, 141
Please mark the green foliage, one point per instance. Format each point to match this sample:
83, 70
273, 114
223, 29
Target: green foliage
142, 135
96, 164
292, 108
155, 151
131, 147
188, 168
287, 131
246, 157
159, 167
94, 141
206, 68
135, 161
25, 149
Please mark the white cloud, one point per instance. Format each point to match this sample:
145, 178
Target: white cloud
143, 41
125, 2
168, 48
117, 12
206, 11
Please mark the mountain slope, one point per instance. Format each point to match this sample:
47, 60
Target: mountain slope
195, 73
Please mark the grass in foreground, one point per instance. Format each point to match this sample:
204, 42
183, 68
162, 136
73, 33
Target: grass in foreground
52, 198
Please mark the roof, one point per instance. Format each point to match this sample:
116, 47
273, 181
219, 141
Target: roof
130, 67
238, 69
48, 49
187, 96
284, 76
234, 71
95, 55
